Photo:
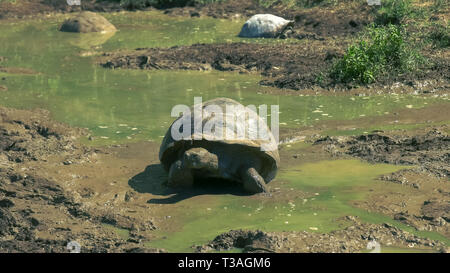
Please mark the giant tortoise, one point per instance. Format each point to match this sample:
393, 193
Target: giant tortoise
250, 161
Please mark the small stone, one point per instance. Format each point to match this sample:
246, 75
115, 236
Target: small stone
67, 162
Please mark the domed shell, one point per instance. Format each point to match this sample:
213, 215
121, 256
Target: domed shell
249, 132
264, 26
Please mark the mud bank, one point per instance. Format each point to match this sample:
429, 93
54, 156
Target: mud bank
40, 211
293, 66
429, 148
354, 238
304, 60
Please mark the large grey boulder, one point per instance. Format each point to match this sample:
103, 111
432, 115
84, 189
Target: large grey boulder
86, 22
265, 26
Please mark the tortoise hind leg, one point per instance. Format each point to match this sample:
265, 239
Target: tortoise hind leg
180, 176
253, 182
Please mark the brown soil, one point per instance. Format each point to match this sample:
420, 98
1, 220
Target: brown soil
354, 238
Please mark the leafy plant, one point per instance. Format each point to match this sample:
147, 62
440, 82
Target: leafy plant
382, 50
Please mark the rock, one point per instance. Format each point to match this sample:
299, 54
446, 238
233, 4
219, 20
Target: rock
87, 22
265, 26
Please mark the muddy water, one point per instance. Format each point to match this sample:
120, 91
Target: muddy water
306, 198
119, 106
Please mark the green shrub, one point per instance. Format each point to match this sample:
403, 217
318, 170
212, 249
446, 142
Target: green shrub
382, 50
393, 12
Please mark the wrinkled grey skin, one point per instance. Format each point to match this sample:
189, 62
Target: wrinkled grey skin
217, 161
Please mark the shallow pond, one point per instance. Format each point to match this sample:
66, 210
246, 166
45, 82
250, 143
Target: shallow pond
119, 106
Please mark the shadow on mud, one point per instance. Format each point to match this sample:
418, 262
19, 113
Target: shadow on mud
154, 180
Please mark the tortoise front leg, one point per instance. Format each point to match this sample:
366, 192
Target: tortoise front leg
253, 182
180, 176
